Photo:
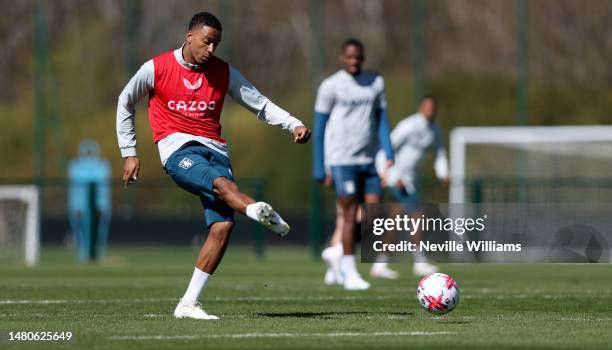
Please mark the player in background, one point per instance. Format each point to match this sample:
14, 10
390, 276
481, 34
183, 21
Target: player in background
334, 251
412, 138
87, 170
186, 88
351, 124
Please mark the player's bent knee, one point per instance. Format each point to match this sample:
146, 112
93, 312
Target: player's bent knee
220, 231
224, 186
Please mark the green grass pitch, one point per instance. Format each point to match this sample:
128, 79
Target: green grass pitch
282, 303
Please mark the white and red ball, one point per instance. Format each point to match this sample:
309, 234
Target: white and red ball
438, 293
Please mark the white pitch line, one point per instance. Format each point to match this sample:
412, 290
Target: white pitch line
83, 301
277, 335
581, 319
220, 299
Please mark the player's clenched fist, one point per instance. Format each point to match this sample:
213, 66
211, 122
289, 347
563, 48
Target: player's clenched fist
301, 134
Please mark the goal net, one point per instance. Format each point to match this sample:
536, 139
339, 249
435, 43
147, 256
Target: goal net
556, 164
19, 224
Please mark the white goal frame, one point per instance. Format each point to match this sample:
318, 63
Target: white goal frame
462, 136
30, 195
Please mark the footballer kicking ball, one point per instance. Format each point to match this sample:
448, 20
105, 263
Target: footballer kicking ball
438, 293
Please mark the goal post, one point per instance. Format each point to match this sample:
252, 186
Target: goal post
529, 152
20, 221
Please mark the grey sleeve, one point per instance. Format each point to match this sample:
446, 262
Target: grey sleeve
139, 86
245, 94
441, 162
381, 102
401, 133
325, 98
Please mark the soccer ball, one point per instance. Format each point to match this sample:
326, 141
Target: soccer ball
438, 293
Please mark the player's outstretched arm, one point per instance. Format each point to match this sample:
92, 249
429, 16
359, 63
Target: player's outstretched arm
243, 92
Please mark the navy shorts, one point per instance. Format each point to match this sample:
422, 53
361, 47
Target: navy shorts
194, 168
355, 180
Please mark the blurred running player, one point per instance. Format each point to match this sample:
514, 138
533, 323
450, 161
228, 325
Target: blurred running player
351, 124
186, 88
412, 138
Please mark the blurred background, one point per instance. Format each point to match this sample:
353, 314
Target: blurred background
63, 64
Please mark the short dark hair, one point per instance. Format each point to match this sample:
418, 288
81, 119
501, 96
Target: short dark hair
429, 97
352, 42
204, 19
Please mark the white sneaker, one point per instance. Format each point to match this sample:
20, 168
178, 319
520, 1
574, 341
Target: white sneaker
382, 270
423, 268
192, 311
355, 282
270, 219
330, 277
331, 256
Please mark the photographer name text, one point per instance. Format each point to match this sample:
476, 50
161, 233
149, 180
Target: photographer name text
447, 246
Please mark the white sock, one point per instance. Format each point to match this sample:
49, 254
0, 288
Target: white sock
337, 249
197, 283
419, 257
251, 211
333, 252
347, 265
